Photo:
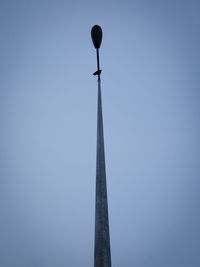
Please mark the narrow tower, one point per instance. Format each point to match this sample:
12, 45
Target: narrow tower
102, 256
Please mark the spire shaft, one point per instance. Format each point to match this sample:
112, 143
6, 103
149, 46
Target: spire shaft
102, 256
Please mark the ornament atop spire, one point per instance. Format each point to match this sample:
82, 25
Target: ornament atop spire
96, 34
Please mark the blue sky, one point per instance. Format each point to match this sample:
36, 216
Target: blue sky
48, 100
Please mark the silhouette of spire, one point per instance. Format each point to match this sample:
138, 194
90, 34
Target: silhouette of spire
102, 255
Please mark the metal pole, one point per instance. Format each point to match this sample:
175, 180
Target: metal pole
98, 68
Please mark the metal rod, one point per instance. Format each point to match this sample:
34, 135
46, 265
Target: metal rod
98, 67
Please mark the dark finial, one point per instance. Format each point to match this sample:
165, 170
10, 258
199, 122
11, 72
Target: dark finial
96, 34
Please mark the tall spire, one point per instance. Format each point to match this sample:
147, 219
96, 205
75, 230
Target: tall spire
102, 255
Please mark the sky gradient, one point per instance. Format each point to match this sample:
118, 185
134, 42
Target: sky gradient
48, 100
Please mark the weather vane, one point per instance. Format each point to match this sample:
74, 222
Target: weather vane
96, 34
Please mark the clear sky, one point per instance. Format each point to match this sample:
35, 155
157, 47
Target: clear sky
48, 99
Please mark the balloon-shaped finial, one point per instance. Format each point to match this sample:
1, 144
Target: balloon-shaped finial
96, 34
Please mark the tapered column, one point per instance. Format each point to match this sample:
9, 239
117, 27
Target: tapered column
102, 257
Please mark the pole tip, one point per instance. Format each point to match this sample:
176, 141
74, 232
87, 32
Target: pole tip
96, 34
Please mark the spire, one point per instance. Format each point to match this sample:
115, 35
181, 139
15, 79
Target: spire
102, 256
